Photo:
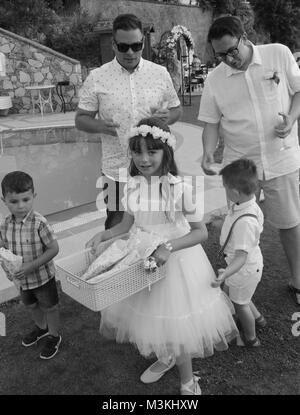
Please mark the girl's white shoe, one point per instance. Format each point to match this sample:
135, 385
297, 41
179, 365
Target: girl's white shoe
191, 388
152, 374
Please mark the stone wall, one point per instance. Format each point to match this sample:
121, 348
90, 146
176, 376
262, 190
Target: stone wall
30, 63
163, 16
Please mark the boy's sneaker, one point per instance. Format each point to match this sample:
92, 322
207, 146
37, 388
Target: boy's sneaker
51, 347
34, 336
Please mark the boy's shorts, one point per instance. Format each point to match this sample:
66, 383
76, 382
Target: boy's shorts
242, 285
46, 296
282, 202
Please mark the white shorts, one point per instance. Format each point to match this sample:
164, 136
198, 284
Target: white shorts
242, 285
282, 203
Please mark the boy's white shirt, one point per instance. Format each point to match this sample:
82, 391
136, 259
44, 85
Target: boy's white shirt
246, 232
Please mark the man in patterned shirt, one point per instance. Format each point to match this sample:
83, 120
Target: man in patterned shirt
27, 233
121, 93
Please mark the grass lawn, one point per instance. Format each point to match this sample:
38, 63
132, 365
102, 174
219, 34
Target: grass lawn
91, 365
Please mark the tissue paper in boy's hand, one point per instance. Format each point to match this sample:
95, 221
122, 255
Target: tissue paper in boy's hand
11, 263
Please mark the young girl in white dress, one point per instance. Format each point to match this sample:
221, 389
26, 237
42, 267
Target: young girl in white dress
182, 316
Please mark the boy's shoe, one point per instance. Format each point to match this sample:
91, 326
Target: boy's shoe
243, 342
191, 388
150, 376
34, 336
51, 347
260, 322
295, 292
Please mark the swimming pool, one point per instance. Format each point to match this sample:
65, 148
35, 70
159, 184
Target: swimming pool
64, 163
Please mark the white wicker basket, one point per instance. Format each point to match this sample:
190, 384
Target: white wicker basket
114, 286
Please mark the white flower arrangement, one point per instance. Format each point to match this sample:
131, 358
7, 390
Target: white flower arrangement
150, 264
156, 132
176, 32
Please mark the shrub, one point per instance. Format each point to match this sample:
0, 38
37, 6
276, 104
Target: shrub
28, 18
73, 37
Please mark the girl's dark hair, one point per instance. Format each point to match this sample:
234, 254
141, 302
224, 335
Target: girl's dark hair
241, 175
126, 22
168, 163
16, 182
226, 25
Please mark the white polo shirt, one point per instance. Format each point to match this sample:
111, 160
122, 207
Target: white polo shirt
126, 98
246, 104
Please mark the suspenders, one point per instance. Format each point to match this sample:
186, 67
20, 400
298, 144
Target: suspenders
220, 253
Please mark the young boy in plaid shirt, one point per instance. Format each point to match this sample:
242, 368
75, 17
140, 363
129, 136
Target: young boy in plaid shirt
27, 233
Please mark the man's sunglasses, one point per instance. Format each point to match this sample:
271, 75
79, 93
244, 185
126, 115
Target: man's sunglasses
124, 47
232, 53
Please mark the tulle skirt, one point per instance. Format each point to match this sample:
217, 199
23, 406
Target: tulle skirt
181, 314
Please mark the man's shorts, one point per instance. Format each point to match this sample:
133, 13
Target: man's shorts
282, 202
46, 296
242, 285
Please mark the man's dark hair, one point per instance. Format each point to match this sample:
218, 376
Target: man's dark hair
16, 182
227, 25
241, 175
127, 22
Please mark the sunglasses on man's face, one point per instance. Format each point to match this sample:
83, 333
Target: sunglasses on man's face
124, 47
231, 53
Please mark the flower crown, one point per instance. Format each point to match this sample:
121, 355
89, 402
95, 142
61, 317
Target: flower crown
156, 132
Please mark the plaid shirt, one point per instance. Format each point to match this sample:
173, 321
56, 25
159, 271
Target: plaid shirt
29, 238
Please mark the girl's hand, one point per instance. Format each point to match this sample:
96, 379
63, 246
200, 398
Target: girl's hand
94, 242
161, 255
217, 221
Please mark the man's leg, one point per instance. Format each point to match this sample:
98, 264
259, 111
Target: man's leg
290, 239
283, 212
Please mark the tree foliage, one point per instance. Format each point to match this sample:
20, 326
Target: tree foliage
68, 34
74, 37
280, 18
28, 18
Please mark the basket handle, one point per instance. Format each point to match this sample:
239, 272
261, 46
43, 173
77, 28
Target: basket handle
73, 281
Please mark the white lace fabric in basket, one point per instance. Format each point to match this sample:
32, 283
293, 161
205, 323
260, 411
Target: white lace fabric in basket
114, 253
123, 253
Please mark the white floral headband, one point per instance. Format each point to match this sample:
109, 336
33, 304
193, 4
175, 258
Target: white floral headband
156, 132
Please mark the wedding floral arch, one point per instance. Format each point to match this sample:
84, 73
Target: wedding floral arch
175, 35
